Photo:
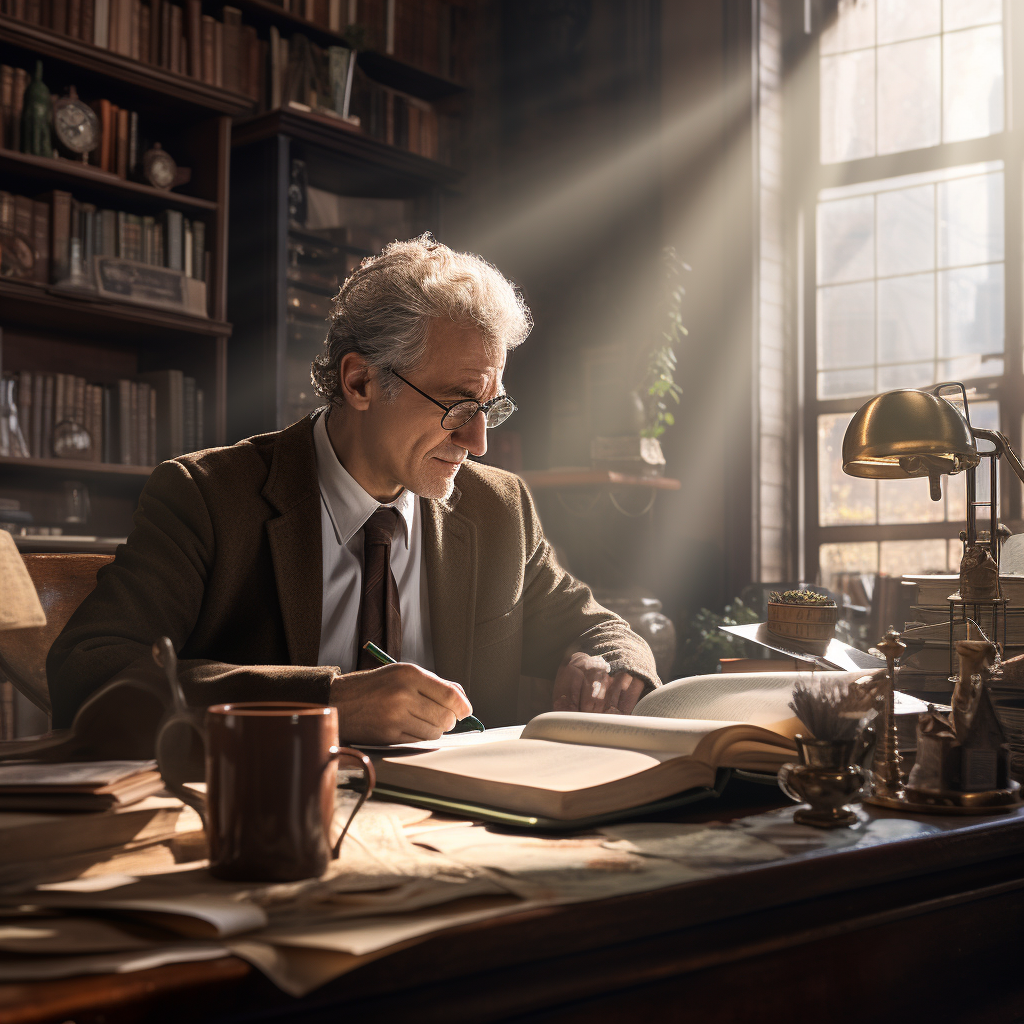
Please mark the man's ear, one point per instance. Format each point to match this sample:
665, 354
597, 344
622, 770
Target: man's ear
355, 376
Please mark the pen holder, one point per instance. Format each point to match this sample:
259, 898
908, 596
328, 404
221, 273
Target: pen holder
824, 782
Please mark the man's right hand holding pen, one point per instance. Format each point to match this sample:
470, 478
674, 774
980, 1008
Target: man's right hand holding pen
396, 703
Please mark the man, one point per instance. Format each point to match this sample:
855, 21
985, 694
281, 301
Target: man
270, 563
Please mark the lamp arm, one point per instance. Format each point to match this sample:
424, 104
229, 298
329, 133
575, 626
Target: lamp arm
1002, 447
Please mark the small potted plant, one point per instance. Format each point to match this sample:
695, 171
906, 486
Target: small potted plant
802, 615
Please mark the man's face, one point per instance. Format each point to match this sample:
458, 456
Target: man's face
412, 449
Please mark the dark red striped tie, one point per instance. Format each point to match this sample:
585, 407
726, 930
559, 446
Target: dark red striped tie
380, 615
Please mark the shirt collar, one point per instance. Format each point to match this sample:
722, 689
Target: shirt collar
348, 504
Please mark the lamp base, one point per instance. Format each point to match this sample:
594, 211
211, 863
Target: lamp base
943, 801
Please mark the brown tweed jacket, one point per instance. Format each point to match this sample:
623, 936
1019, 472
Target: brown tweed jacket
225, 560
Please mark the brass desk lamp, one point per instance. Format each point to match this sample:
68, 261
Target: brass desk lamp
905, 434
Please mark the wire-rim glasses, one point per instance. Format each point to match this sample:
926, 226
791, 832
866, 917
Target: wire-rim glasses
496, 411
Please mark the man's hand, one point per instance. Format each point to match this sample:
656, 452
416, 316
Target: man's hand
396, 704
583, 683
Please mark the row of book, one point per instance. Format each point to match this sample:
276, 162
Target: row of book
428, 34
178, 38
138, 422
273, 72
57, 236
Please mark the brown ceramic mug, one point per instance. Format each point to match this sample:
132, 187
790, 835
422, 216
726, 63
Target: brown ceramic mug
270, 786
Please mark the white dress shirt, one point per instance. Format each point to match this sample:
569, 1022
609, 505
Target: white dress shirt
344, 509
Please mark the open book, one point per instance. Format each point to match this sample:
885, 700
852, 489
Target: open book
571, 765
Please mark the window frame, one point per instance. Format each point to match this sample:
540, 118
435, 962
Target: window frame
803, 151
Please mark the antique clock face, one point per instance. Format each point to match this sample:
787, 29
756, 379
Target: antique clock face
76, 125
159, 167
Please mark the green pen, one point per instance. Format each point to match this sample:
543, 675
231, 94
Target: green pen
469, 724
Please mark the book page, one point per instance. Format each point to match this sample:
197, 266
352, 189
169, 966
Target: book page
758, 698
651, 735
560, 767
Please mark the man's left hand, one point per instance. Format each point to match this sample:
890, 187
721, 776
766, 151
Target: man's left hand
584, 683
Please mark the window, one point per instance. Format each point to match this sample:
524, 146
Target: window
910, 233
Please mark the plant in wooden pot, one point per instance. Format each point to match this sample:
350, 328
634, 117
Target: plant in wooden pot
802, 615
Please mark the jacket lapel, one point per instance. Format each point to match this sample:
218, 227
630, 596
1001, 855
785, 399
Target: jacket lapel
449, 543
294, 537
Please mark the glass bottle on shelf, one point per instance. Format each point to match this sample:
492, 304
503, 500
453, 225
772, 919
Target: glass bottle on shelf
12, 440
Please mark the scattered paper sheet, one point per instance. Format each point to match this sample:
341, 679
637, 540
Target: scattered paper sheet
708, 845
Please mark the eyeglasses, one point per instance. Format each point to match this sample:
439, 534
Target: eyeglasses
496, 411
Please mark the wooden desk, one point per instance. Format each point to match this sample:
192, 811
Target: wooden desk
928, 925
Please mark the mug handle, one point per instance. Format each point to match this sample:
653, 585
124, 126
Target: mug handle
369, 781
171, 767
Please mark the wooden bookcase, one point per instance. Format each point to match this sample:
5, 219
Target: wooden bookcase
46, 331
267, 359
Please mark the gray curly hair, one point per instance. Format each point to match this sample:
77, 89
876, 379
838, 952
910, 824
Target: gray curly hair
384, 309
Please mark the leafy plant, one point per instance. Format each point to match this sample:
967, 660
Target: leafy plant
703, 643
800, 597
659, 384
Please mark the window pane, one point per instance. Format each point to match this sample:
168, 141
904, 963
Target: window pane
908, 19
913, 375
899, 557
972, 73
962, 13
846, 327
971, 220
850, 557
906, 319
842, 499
848, 106
906, 230
971, 311
852, 27
846, 383
985, 415
846, 240
907, 501
909, 95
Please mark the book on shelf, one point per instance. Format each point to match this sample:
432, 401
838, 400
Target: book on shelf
131, 422
67, 241
575, 765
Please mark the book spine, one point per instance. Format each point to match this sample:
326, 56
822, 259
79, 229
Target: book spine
75, 18
107, 424
46, 417
59, 398
101, 24
133, 144
133, 424
174, 48
26, 387
59, 16
7, 105
274, 99
218, 54
142, 423
198, 249
155, 23
209, 72
250, 57
17, 103
36, 429
189, 414
87, 27
124, 422
194, 25
60, 235
122, 143
200, 416
232, 49
134, 28
151, 432
165, 34
172, 239
187, 249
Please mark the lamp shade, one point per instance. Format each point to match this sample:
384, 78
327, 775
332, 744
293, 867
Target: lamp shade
19, 602
904, 434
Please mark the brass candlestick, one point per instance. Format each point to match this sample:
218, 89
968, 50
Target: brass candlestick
885, 788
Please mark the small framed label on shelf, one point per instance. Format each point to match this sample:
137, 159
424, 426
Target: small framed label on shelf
146, 285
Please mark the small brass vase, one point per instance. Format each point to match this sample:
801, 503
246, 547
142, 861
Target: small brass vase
824, 782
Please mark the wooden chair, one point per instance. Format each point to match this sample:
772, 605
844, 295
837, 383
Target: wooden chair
63, 581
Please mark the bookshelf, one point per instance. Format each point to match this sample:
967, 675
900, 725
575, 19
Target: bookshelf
380, 190
46, 330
